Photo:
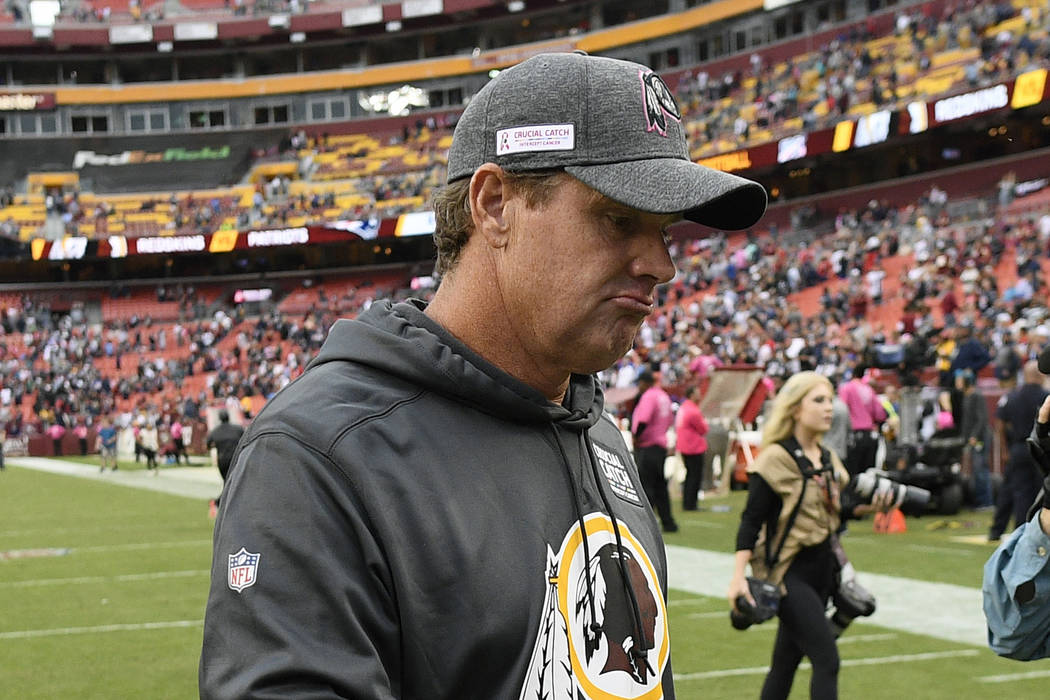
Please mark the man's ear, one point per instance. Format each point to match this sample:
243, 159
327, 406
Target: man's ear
489, 198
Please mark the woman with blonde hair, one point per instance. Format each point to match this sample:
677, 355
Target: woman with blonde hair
794, 492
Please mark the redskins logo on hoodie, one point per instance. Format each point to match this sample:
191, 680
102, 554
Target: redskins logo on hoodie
586, 646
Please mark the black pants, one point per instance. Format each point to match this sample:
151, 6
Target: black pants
804, 630
1021, 484
861, 451
180, 449
651, 472
694, 477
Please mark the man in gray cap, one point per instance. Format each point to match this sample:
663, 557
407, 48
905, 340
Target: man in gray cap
439, 507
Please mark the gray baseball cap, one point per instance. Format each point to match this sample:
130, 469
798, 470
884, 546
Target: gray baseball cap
612, 124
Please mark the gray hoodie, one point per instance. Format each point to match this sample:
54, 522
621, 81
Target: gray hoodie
403, 521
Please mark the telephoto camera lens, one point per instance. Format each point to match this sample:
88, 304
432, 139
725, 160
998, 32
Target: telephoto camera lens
871, 482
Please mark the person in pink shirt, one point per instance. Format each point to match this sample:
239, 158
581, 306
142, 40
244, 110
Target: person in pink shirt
176, 439
691, 431
865, 415
56, 432
80, 430
652, 417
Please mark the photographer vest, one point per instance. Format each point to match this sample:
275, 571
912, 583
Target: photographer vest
818, 515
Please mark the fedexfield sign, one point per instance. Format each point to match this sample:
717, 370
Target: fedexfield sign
83, 158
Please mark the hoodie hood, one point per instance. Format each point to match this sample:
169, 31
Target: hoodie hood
401, 340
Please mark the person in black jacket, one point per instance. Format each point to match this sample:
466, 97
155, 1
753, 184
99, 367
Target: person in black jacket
439, 508
1021, 477
224, 438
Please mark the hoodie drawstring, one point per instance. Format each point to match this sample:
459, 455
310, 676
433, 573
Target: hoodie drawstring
639, 649
595, 628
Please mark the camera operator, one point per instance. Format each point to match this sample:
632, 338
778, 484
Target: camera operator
1017, 575
806, 567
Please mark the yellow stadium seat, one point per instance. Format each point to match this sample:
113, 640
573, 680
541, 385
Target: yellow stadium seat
808, 80
953, 56
882, 43
1014, 25
760, 136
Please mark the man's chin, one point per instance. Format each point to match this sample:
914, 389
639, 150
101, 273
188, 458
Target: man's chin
603, 358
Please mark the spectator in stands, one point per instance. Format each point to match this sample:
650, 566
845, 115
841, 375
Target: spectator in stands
970, 353
1007, 359
477, 420
946, 348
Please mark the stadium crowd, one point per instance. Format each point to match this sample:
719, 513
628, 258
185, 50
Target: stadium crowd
969, 44
903, 289
738, 303
900, 287
860, 70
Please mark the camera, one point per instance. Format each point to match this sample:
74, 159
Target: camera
767, 602
873, 482
851, 601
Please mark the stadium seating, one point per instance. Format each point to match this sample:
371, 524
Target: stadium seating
388, 173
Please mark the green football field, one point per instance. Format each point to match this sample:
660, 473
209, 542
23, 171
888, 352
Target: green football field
102, 591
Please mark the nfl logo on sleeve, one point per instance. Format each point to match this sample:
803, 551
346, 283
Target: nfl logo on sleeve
243, 567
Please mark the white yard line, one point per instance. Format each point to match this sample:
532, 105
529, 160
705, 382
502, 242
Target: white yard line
865, 638
940, 610
141, 545
944, 550
191, 482
948, 612
871, 661
65, 631
1010, 677
78, 580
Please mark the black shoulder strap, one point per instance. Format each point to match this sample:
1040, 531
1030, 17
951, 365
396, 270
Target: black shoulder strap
795, 450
